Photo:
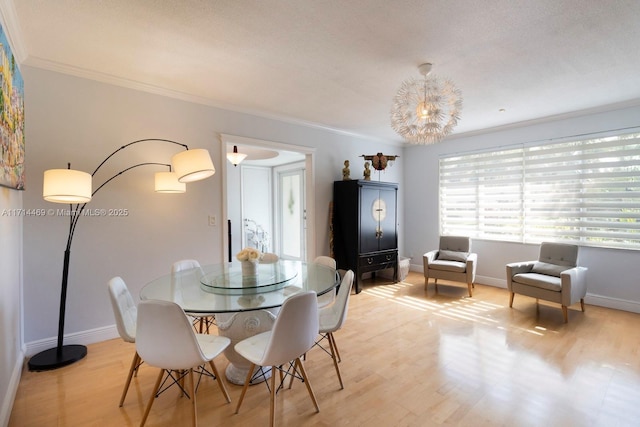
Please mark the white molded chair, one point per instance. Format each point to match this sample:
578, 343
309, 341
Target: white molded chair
165, 339
555, 277
202, 321
293, 334
332, 318
329, 297
126, 313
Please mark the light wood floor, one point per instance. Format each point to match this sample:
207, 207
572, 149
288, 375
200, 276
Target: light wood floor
409, 358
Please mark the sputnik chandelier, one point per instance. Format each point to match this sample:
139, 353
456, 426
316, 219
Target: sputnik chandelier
425, 111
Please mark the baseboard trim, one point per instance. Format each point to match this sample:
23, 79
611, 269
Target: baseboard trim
12, 390
84, 337
616, 303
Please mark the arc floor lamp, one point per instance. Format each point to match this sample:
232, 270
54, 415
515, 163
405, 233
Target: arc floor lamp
75, 187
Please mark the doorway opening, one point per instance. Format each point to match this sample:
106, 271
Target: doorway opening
268, 198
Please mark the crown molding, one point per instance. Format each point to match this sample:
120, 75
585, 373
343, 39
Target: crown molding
12, 29
61, 68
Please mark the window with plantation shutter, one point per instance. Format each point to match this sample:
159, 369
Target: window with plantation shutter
585, 191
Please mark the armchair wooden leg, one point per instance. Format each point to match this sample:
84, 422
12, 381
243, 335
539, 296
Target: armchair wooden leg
511, 299
426, 283
436, 283
565, 313
582, 304
469, 286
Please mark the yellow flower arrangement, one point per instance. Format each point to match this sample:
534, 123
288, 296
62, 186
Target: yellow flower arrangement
249, 254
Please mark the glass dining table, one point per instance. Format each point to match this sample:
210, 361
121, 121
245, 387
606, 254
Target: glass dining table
243, 305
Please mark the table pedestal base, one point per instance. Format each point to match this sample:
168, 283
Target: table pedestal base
236, 327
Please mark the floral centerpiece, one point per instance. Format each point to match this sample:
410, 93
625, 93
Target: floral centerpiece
249, 254
249, 258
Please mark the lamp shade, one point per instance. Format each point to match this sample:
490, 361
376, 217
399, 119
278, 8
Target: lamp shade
192, 165
234, 157
167, 182
66, 186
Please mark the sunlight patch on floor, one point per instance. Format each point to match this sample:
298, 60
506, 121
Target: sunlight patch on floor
465, 309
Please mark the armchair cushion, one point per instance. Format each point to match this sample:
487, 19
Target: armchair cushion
446, 255
548, 269
537, 280
445, 265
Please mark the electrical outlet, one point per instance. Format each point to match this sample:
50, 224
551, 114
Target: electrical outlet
212, 221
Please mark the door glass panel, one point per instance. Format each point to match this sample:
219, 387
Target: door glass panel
291, 214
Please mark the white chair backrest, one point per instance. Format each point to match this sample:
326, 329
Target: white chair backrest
165, 337
124, 309
336, 313
184, 264
269, 258
331, 263
294, 330
325, 260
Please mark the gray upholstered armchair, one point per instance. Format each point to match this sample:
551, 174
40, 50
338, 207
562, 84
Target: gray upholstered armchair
555, 276
453, 260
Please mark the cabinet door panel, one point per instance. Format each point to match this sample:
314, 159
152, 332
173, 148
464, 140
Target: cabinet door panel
387, 237
368, 223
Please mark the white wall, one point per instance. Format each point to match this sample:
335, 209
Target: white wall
70, 119
11, 351
613, 274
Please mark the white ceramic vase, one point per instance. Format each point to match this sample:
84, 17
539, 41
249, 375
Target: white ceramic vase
249, 268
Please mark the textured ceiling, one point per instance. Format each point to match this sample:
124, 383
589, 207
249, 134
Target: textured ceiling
338, 63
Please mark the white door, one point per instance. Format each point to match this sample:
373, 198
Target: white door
291, 212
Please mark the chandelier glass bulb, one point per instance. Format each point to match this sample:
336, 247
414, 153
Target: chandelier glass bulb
425, 111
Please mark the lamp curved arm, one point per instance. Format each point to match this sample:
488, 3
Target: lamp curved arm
132, 143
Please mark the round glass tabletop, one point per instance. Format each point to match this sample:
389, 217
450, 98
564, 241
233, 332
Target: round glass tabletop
221, 288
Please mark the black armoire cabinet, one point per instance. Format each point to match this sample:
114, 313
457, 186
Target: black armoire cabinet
365, 234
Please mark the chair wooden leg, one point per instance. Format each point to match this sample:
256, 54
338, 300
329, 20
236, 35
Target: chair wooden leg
335, 360
565, 313
246, 385
272, 403
426, 283
511, 299
435, 281
194, 410
469, 285
134, 368
153, 397
582, 304
306, 382
220, 382
335, 346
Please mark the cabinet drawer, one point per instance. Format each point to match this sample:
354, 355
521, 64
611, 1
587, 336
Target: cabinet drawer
378, 259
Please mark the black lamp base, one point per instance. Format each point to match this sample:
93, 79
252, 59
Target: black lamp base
55, 358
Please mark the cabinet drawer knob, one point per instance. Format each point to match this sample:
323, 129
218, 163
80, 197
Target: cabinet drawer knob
369, 260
